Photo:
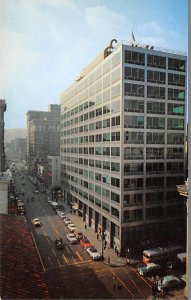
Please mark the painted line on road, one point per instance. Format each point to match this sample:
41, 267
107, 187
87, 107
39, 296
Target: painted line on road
123, 284
56, 231
58, 262
137, 287
74, 260
67, 249
38, 251
79, 256
66, 260
49, 259
142, 278
53, 251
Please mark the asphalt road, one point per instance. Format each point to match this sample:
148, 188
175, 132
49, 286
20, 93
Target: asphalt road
70, 272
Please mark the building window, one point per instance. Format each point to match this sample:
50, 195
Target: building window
155, 167
134, 74
155, 92
155, 123
132, 137
134, 105
133, 121
176, 64
156, 61
155, 107
155, 182
133, 57
154, 153
175, 124
133, 153
175, 109
115, 182
133, 168
133, 184
176, 79
176, 94
175, 153
115, 197
136, 90
156, 77
175, 138
155, 138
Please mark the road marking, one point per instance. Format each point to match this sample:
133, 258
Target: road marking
58, 262
136, 287
74, 260
66, 260
56, 231
142, 278
123, 284
49, 259
79, 256
67, 249
53, 251
38, 252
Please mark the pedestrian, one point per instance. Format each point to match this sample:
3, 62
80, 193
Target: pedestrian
119, 287
85, 226
115, 249
105, 244
109, 260
97, 236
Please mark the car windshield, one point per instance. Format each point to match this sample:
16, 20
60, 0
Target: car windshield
93, 249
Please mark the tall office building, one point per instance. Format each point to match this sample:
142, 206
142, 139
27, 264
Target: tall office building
123, 143
3, 108
43, 135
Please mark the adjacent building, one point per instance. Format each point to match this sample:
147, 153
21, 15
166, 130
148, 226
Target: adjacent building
43, 135
123, 134
3, 108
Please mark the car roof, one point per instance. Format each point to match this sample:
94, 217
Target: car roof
169, 278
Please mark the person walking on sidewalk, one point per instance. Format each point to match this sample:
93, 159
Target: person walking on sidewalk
85, 226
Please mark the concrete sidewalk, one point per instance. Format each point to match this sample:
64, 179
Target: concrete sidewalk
89, 232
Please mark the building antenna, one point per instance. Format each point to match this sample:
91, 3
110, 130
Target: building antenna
132, 38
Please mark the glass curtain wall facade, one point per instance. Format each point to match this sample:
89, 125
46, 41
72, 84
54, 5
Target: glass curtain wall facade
123, 144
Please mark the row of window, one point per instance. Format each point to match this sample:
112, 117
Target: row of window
153, 123
132, 184
155, 92
155, 61
153, 153
137, 74
134, 89
156, 167
154, 107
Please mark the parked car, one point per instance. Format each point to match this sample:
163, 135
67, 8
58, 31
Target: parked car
36, 191
72, 227
169, 282
36, 222
85, 243
67, 221
149, 270
59, 243
71, 238
93, 253
62, 215
175, 264
78, 234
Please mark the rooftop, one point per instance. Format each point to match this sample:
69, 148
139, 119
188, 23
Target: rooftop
21, 273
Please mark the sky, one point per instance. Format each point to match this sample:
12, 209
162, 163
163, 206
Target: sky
45, 44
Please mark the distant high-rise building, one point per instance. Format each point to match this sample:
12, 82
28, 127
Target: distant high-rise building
43, 135
123, 134
3, 108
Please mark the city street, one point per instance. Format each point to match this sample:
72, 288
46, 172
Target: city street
70, 272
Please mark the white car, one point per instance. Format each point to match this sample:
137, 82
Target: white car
93, 253
62, 215
67, 221
71, 238
72, 227
36, 222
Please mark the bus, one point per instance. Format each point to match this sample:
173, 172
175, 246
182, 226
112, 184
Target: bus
160, 254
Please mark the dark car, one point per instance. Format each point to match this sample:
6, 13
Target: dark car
175, 264
59, 243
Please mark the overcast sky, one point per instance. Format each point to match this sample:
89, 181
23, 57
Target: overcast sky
45, 44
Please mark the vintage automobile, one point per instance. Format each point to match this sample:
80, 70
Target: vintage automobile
59, 243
